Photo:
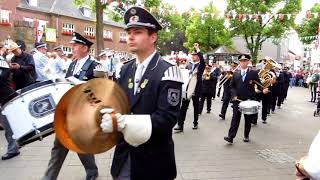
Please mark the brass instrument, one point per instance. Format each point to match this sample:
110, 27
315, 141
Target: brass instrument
227, 77
77, 117
265, 75
206, 75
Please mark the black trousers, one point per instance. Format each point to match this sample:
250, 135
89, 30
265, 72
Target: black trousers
226, 101
184, 108
203, 97
313, 92
235, 122
275, 101
266, 103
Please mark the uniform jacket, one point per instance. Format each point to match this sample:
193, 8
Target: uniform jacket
209, 84
244, 90
26, 75
154, 159
86, 72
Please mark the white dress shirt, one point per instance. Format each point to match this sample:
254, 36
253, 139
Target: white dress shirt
79, 64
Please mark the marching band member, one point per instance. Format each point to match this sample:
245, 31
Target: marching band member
197, 67
207, 89
153, 87
216, 73
227, 89
79, 70
242, 88
41, 60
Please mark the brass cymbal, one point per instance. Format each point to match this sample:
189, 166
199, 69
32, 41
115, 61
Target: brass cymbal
83, 116
60, 125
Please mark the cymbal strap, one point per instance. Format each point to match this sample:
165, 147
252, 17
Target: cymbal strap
114, 121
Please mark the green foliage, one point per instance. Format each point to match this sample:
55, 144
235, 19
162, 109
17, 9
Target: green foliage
309, 27
255, 32
209, 31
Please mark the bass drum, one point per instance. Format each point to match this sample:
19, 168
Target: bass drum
189, 83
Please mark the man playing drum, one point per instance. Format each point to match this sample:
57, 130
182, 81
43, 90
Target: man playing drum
23, 74
242, 88
81, 69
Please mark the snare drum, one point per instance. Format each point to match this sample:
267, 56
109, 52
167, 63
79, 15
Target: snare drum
249, 107
30, 111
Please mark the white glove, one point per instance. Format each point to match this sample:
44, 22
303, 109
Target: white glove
74, 80
136, 129
99, 71
107, 123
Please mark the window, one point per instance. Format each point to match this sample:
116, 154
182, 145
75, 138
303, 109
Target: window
67, 50
91, 51
28, 20
66, 27
107, 34
123, 37
89, 31
4, 16
42, 24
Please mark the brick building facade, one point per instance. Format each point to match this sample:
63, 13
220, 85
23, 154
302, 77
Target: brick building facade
26, 19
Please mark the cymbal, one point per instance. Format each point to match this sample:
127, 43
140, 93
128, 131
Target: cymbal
60, 121
83, 116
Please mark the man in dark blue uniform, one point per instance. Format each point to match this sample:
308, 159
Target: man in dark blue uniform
242, 88
227, 89
153, 87
79, 70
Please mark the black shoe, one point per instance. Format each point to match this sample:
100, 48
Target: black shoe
222, 116
195, 127
264, 121
92, 177
9, 156
246, 139
228, 139
208, 112
178, 129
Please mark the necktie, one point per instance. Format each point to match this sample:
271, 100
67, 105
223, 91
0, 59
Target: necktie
243, 74
137, 77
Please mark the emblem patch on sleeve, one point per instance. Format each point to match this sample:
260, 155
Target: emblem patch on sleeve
173, 97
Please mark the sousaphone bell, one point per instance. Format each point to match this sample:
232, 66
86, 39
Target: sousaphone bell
77, 118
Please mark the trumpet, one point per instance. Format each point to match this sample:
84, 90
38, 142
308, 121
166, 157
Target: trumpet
206, 76
227, 77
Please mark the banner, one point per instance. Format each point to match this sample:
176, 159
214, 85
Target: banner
51, 35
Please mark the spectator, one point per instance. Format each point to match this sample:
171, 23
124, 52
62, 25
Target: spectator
309, 166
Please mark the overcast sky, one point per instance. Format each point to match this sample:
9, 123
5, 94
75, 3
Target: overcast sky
185, 5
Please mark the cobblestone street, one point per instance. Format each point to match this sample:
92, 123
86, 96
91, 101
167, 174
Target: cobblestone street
203, 154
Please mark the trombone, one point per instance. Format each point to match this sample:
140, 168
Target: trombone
227, 77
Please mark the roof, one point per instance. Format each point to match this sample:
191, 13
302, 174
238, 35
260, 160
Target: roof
63, 8
224, 50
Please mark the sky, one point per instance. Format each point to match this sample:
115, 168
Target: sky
185, 5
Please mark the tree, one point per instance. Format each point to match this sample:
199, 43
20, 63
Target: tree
310, 25
263, 25
208, 30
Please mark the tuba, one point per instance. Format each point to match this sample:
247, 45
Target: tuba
265, 74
